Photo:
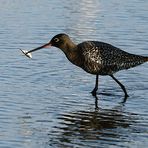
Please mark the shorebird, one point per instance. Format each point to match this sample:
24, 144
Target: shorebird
95, 57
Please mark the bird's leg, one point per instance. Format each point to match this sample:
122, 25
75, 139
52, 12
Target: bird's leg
121, 85
96, 86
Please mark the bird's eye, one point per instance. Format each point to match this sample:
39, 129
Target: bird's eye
56, 40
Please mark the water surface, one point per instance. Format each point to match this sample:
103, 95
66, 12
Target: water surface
46, 101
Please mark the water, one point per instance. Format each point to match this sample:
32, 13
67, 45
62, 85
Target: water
46, 101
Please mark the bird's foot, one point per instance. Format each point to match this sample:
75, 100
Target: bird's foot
94, 92
125, 98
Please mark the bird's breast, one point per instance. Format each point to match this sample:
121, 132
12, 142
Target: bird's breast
75, 58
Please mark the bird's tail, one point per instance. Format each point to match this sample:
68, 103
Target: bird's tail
146, 59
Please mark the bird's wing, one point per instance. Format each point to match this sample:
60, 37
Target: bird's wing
101, 53
108, 57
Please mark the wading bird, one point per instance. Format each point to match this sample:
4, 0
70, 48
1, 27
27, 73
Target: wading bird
97, 58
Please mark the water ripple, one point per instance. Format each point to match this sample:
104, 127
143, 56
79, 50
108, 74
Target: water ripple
46, 101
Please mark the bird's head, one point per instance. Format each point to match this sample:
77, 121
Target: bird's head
61, 41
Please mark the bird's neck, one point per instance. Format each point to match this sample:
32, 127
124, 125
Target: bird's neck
68, 46
72, 53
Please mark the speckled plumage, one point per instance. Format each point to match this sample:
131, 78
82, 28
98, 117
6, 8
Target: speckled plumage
104, 59
95, 57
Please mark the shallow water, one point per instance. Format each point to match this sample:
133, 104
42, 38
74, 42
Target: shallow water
46, 101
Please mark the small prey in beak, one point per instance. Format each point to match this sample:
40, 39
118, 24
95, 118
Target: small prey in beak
28, 53
25, 52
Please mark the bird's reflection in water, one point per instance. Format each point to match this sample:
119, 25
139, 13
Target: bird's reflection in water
93, 127
107, 94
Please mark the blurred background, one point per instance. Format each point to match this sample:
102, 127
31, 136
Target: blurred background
46, 101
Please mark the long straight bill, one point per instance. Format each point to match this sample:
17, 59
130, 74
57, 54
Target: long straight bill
38, 48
